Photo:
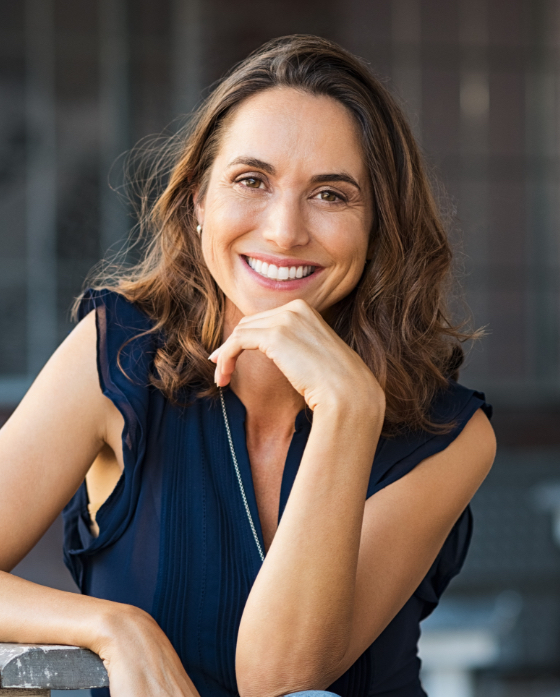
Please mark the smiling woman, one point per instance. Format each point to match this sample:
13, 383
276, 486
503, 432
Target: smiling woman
293, 201
295, 99
277, 457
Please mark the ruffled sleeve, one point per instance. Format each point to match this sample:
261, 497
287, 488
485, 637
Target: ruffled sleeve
397, 456
125, 350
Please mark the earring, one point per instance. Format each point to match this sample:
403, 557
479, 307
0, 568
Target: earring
199, 229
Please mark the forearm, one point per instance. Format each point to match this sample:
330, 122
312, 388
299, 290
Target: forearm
138, 656
298, 617
30, 613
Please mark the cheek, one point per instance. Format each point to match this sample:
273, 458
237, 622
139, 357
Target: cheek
225, 222
347, 244
351, 255
228, 217
346, 232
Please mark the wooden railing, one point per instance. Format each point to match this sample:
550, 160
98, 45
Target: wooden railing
31, 670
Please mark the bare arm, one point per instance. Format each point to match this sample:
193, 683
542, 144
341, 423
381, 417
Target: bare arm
340, 568
320, 599
297, 622
46, 448
50, 441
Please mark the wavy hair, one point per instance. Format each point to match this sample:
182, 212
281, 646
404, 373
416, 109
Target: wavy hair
395, 318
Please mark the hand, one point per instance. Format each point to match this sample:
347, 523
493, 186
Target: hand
139, 658
318, 364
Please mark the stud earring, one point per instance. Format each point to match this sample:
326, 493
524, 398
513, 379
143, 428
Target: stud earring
199, 229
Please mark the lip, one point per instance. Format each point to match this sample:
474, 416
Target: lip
272, 284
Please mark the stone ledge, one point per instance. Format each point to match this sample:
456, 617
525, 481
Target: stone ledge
49, 667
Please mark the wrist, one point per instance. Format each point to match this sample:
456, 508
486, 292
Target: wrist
113, 624
362, 402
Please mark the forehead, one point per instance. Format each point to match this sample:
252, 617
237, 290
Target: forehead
289, 128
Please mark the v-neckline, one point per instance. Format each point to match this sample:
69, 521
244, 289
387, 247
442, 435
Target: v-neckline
237, 416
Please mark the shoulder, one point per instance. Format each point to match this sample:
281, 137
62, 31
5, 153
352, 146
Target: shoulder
454, 408
126, 342
472, 452
458, 402
442, 484
478, 434
125, 350
114, 307
471, 436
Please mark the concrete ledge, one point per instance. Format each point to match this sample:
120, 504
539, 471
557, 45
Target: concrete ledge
32, 667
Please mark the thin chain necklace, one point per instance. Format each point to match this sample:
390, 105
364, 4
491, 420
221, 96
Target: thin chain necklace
238, 473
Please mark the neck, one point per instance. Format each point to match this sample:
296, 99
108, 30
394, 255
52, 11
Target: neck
271, 402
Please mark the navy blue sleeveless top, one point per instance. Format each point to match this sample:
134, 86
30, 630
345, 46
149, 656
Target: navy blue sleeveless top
174, 536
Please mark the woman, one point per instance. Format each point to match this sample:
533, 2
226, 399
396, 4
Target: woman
298, 244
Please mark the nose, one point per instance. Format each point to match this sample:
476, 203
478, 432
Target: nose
285, 224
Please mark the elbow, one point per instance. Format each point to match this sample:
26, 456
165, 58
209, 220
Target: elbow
271, 676
258, 684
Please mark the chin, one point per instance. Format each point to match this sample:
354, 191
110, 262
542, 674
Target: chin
263, 305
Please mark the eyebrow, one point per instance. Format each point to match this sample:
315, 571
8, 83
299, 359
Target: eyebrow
317, 179
335, 177
253, 162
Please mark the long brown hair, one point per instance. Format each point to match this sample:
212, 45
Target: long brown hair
395, 319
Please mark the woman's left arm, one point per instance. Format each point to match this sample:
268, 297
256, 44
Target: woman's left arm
340, 568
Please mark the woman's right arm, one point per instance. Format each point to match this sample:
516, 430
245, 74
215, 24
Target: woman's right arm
46, 449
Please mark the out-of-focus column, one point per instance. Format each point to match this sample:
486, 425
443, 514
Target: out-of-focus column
473, 148
187, 55
407, 59
40, 183
114, 121
543, 159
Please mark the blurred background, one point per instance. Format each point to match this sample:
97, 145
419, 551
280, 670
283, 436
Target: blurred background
83, 80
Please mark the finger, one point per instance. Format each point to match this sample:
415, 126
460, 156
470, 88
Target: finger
286, 318
297, 306
246, 339
261, 320
257, 322
214, 355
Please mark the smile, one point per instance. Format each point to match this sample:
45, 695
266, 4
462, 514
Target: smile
279, 273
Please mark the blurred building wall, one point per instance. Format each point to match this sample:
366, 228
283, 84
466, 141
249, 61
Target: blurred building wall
81, 82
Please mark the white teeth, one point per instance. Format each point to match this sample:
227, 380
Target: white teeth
279, 273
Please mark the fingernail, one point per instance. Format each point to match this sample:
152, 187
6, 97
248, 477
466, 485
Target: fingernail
213, 354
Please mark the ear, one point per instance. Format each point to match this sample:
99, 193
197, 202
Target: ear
198, 207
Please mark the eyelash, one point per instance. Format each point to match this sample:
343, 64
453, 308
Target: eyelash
340, 197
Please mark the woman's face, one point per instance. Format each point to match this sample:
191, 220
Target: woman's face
288, 210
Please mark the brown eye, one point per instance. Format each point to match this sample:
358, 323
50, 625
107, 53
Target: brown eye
252, 182
329, 196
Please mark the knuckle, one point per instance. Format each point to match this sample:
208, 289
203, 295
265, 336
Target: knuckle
278, 331
299, 305
285, 319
